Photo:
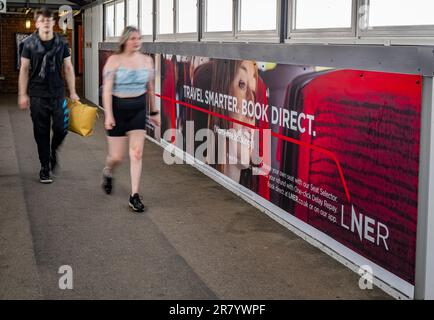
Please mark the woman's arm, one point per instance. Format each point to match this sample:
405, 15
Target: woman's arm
108, 78
150, 85
151, 95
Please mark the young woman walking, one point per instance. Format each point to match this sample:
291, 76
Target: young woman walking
128, 83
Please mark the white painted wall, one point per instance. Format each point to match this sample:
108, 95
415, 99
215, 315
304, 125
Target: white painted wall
87, 25
93, 35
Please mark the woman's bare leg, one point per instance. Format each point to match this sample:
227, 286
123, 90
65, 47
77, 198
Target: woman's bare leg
116, 151
136, 142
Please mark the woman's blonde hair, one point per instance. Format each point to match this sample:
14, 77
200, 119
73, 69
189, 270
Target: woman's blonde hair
125, 36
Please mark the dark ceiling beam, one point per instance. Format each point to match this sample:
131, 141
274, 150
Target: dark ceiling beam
39, 5
91, 3
81, 3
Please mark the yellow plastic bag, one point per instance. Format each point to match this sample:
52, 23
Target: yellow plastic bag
81, 117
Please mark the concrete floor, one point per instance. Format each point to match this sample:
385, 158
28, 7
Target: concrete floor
197, 240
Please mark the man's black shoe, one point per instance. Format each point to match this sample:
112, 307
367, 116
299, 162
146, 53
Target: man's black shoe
44, 175
136, 204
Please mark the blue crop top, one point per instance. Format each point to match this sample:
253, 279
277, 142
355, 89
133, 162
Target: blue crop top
131, 82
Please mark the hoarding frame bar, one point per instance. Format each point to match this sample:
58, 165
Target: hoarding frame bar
424, 278
418, 60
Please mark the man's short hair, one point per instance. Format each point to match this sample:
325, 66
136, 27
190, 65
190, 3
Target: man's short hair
45, 12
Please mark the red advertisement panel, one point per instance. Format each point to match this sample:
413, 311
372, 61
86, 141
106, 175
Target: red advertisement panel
339, 149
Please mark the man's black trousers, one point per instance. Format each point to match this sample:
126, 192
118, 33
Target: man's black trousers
46, 112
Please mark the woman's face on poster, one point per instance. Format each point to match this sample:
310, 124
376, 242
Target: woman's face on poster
243, 87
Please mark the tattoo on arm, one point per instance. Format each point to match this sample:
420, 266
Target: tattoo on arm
108, 75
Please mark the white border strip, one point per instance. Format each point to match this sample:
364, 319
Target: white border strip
383, 279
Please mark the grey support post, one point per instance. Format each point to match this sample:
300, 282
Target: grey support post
424, 286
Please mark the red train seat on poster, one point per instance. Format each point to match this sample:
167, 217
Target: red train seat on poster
168, 90
371, 122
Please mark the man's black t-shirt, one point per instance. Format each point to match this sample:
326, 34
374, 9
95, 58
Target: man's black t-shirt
48, 45
52, 85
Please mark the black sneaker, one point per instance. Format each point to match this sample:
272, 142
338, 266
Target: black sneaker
44, 175
136, 203
107, 182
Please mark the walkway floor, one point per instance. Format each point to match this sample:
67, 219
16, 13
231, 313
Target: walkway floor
197, 240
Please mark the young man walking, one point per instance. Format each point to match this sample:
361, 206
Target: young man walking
41, 87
